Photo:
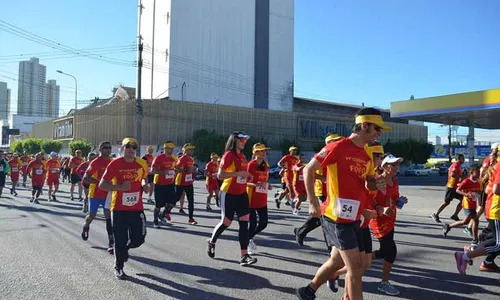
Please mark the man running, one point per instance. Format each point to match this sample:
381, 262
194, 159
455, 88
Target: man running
15, 168
184, 179
454, 177
287, 162
80, 171
25, 160
37, 171
124, 176
149, 157
212, 184
76, 161
97, 196
163, 168
53, 167
4, 170
348, 174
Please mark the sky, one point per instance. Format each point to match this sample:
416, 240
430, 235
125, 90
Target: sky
371, 52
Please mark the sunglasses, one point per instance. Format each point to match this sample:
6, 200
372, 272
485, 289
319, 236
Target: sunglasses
377, 128
133, 146
106, 147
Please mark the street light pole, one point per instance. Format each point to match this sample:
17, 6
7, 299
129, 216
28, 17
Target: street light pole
76, 86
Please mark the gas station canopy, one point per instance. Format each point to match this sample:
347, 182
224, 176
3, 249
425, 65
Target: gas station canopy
479, 109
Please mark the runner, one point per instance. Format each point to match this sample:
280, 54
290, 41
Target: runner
183, 197
66, 169
286, 163
470, 188
163, 168
184, 179
4, 170
454, 177
97, 197
211, 180
320, 192
76, 161
15, 167
53, 167
25, 159
37, 172
298, 184
257, 189
387, 202
233, 195
284, 191
219, 184
149, 157
348, 174
124, 177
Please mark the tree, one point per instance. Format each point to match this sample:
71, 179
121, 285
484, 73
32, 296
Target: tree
16, 147
413, 151
207, 142
51, 145
32, 145
285, 145
82, 145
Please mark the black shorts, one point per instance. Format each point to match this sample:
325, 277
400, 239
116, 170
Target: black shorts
150, 178
452, 194
165, 194
37, 188
2, 179
75, 179
86, 185
283, 185
365, 240
234, 204
341, 236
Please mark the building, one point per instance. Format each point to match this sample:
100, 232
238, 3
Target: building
228, 52
31, 96
52, 99
4, 101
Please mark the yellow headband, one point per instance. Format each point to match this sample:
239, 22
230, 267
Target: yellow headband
373, 119
169, 145
379, 149
332, 137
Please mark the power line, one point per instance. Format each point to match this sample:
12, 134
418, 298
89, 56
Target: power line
50, 53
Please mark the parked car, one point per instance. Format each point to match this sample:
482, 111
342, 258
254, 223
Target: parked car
418, 170
274, 171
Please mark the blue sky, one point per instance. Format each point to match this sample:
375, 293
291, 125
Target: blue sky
345, 51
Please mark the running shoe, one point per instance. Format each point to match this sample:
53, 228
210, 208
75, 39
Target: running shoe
209, 208
15, 194
210, 249
80, 199
54, 198
299, 239
455, 218
85, 233
182, 212
111, 250
156, 226
247, 260
167, 216
192, 221
436, 218
304, 293
72, 198
296, 212
252, 246
11, 191
287, 203
387, 288
119, 274
278, 203
446, 229
36, 201
461, 263
467, 231
333, 284
32, 199
491, 267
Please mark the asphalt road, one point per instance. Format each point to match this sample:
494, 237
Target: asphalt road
43, 257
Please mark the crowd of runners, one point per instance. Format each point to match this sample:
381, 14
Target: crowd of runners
350, 186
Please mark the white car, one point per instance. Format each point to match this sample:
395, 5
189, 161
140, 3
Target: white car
418, 170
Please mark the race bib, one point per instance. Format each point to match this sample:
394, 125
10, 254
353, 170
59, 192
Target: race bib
25, 163
14, 170
39, 172
55, 171
261, 189
170, 175
301, 177
130, 199
241, 180
347, 208
189, 177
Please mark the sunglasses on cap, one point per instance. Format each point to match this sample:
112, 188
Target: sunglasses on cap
133, 146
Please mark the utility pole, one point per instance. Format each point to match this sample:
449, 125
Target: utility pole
449, 144
138, 100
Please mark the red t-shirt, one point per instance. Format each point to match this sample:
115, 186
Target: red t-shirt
77, 161
96, 170
470, 186
80, 171
383, 224
15, 164
149, 160
457, 169
211, 168
258, 195
288, 162
234, 162
347, 168
185, 178
165, 163
119, 171
298, 175
37, 171
486, 163
53, 168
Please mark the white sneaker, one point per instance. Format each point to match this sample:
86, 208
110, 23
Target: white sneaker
252, 246
296, 212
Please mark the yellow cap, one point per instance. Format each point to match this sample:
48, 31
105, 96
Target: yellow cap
379, 149
260, 147
129, 140
169, 145
214, 155
292, 148
150, 147
188, 146
332, 137
374, 119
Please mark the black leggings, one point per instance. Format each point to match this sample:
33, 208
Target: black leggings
129, 229
188, 189
388, 249
262, 221
229, 205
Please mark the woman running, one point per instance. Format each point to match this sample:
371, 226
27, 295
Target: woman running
257, 189
298, 184
233, 195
